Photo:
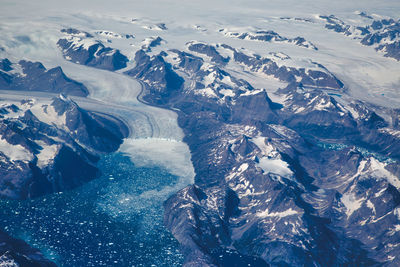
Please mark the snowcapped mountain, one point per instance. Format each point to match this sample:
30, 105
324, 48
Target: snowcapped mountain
281, 120
39, 140
81, 47
16, 253
383, 34
33, 76
274, 180
269, 36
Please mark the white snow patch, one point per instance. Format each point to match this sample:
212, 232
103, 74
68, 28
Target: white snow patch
227, 92
390, 131
78, 42
276, 166
227, 80
238, 172
47, 154
243, 167
210, 78
378, 169
17, 69
173, 58
351, 203
371, 206
323, 105
14, 152
206, 92
281, 214
299, 109
266, 148
396, 212
252, 92
109, 34
148, 40
48, 115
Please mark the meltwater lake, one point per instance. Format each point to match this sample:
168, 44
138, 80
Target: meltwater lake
106, 222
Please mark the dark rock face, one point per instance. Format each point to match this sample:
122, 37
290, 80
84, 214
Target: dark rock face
80, 47
208, 50
5, 65
318, 114
76, 32
162, 80
392, 50
33, 76
14, 252
333, 23
152, 42
312, 181
244, 111
40, 143
365, 15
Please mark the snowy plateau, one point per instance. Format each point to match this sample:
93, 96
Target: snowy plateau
199, 133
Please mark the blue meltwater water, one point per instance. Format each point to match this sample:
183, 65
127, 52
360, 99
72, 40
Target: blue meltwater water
115, 220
